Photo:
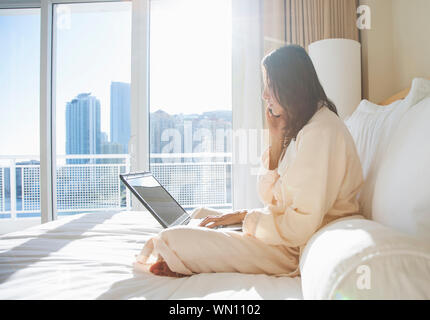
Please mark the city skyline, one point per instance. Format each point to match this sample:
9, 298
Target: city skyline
203, 132
84, 136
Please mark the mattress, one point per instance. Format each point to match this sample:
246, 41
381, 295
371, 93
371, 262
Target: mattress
90, 256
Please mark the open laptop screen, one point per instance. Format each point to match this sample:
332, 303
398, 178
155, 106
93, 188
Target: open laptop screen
161, 202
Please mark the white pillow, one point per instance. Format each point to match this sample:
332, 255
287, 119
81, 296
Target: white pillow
402, 186
361, 259
372, 127
367, 125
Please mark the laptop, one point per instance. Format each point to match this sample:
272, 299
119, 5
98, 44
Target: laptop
160, 203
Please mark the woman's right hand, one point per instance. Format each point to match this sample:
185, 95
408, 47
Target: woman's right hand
223, 220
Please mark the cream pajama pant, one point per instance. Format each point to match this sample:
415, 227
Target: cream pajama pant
189, 250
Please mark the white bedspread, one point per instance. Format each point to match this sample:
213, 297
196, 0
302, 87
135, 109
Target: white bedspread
90, 256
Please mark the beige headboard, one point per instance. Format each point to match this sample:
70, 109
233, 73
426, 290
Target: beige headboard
401, 95
397, 96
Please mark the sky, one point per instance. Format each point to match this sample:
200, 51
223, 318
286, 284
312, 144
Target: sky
19, 81
190, 62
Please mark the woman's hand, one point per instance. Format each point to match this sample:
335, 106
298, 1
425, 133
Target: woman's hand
277, 130
277, 125
223, 220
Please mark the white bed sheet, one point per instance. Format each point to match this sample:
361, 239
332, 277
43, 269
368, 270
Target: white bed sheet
90, 256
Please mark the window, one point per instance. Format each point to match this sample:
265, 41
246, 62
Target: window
191, 99
94, 88
91, 53
19, 120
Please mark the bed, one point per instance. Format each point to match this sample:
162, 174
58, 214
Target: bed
90, 256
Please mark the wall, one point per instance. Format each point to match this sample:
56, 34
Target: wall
377, 51
397, 48
411, 28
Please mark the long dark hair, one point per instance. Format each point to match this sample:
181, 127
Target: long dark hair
291, 76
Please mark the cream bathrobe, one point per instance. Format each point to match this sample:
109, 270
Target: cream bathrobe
316, 182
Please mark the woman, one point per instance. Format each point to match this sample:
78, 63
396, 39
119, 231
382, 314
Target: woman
311, 175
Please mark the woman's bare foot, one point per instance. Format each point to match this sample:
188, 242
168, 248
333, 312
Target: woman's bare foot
160, 268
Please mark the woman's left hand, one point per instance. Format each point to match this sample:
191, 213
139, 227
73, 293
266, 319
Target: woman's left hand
223, 220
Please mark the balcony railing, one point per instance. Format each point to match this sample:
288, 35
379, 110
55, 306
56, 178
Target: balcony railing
91, 182
195, 179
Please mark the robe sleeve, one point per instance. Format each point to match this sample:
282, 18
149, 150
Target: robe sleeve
312, 181
266, 179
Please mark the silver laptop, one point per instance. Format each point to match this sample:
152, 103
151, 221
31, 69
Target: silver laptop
159, 202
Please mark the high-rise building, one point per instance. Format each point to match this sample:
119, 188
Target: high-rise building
120, 114
180, 133
83, 126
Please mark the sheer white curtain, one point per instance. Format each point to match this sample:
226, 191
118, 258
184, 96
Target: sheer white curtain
248, 109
